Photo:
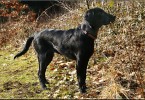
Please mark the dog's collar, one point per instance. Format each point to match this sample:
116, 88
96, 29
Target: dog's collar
90, 35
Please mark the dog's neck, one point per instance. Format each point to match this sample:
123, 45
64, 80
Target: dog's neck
94, 31
90, 35
89, 29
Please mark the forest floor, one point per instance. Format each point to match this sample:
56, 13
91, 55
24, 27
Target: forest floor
116, 70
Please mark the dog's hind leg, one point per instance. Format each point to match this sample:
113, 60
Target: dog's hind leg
44, 59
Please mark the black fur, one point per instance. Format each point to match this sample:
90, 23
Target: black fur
72, 43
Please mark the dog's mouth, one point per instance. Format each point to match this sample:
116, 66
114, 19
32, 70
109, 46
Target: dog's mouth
112, 19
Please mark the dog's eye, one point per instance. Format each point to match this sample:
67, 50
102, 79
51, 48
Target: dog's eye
101, 12
93, 13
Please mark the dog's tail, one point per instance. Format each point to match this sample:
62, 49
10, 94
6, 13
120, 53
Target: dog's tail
26, 47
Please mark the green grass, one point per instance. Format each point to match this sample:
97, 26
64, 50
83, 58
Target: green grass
18, 78
16, 75
116, 70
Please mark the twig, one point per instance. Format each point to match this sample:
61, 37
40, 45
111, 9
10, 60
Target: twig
44, 12
64, 6
87, 2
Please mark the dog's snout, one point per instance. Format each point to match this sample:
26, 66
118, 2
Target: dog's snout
112, 18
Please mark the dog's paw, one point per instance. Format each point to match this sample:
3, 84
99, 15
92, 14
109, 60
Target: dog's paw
45, 88
46, 82
83, 89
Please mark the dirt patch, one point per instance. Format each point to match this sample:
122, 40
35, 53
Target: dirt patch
11, 85
26, 91
16, 84
22, 90
1, 90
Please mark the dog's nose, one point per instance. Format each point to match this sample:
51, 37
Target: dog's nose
113, 18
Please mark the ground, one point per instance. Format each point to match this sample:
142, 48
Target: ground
116, 70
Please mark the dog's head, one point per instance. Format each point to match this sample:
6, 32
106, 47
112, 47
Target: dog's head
95, 18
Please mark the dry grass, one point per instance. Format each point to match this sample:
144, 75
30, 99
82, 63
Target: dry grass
116, 70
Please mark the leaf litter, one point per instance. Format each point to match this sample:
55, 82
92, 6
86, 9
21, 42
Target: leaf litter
115, 71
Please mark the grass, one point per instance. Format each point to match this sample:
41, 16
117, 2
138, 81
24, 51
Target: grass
115, 71
19, 78
14, 71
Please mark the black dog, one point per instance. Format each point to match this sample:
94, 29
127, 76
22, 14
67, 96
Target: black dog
76, 44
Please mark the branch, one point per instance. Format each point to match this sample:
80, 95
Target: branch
87, 2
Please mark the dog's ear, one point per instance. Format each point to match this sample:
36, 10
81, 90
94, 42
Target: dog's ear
85, 26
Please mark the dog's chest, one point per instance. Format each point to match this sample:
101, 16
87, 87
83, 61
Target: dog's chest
66, 50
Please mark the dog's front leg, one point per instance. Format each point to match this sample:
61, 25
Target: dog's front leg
81, 67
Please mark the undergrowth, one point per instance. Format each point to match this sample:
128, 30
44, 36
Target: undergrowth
115, 71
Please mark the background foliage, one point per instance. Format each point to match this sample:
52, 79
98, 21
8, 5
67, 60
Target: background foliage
115, 71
